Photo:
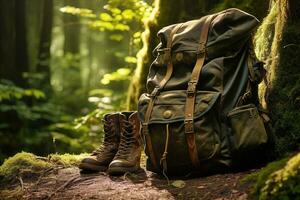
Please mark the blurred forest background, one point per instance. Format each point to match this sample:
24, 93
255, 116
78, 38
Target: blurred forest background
64, 63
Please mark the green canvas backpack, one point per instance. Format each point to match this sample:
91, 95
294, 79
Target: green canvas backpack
200, 115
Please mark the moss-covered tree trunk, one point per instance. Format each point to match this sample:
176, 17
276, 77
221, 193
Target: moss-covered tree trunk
168, 12
277, 43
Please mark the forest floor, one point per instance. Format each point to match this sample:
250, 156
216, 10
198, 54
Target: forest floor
69, 183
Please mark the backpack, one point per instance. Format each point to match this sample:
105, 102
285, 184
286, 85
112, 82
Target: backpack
201, 113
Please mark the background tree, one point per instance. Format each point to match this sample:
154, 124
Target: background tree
13, 43
43, 65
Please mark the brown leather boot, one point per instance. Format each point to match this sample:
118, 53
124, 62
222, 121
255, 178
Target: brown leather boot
101, 157
128, 156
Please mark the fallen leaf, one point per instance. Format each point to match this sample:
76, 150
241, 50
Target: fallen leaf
178, 184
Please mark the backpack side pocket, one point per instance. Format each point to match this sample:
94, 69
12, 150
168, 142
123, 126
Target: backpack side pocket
248, 132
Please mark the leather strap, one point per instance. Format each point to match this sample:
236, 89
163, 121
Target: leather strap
191, 93
154, 93
251, 55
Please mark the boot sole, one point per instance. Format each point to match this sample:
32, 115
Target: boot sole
122, 170
89, 168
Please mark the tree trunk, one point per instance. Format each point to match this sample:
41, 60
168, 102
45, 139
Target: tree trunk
43, 65
277, 43
13, 50
71, 30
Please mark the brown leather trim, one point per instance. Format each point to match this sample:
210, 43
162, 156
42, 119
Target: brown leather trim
191, 93
154, 93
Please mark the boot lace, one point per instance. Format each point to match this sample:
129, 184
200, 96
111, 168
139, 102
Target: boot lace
109, 135
127, 140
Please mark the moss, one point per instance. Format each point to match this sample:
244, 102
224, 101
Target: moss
276, 43
29, 165
66, 160
20, 163
283, 183
259, 178
265, 34
278, 180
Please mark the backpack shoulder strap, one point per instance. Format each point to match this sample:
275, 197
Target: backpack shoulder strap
154, 93
191, 92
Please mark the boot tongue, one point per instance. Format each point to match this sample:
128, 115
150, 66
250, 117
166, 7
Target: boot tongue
111, 116
133, 116
122, 117
124, 121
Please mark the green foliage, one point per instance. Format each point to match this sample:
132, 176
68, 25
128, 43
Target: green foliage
10, 92
279, 180
118, 16
29, 122
120, 74
124, 23
78, 11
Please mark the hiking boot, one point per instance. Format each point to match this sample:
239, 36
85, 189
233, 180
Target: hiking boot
101, 157
128, 156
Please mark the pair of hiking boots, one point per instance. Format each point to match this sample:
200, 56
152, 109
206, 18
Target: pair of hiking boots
121, 149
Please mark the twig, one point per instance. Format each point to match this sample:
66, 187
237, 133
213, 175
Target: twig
21, 183
63, 186
42, 158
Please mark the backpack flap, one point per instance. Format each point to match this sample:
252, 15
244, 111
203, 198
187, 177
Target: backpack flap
167, 117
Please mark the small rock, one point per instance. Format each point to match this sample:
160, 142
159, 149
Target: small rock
234, 191
243, 197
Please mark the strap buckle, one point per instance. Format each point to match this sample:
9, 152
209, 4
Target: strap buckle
201, 49
154, 92
167, 52
191, 90
189, 126
145, 130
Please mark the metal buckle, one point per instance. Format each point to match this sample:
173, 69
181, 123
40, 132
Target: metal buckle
145, 130
191, 88
154, 92
189, 126
201, 49
167, 53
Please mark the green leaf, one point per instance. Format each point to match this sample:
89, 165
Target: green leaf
115, 11
83, 12
106, 17
101, 92
130, 59
122, 27
116, 37
128, 14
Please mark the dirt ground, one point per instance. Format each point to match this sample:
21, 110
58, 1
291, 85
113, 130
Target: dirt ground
68, 183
